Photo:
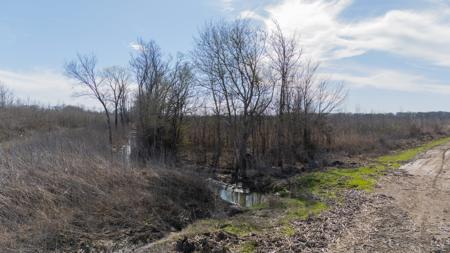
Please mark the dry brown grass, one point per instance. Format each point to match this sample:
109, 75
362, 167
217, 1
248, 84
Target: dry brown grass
62, 192
380, 133
21, 120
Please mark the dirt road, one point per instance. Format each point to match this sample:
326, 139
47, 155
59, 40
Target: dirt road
411, 212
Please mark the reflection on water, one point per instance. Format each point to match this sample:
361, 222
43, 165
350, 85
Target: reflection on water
238, 195
241, 198
127, 149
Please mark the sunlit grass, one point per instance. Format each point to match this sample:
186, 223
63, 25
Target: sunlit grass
249, 247
395, 160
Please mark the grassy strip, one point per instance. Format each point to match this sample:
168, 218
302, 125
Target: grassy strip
396, 160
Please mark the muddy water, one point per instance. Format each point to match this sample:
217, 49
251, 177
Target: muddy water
236, 194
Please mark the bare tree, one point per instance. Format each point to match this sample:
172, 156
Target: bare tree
285, 64
315, 99
181, 80
150, 71
117, 78
212, 76
84, 70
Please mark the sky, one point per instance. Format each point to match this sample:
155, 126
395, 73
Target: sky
391, 55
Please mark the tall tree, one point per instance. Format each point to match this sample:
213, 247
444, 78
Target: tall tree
285, 57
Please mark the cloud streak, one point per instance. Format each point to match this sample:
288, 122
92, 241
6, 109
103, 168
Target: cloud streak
391, 80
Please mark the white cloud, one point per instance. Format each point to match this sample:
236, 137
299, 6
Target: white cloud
390, 80
136, 46
46, 87
325, 35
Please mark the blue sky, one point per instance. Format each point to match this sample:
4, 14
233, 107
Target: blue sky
391, 55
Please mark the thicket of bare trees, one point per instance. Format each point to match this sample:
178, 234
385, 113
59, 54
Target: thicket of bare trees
230, 57
163, 91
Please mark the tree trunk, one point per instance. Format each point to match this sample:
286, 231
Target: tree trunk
241, 166
218, 146
108, 121
280, 141
115, 116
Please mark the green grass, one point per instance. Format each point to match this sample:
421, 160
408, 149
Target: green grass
288, 230
395, 160
325, 184
301, 209
260, 206
248, 247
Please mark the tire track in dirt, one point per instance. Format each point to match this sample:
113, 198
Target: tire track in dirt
423, 225
441, 169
